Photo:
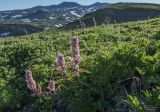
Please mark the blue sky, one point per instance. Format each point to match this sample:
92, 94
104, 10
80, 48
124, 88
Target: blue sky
22, 4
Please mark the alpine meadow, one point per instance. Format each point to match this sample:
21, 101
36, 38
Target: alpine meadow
108, 67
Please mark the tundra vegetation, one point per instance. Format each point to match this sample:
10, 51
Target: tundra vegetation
114, 67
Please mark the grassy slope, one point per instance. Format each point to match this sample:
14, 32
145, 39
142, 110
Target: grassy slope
120, 12
110, 55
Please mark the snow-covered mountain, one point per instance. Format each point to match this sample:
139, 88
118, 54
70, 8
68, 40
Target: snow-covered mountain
58, 15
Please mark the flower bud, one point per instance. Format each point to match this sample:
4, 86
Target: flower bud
60, 61
52, 86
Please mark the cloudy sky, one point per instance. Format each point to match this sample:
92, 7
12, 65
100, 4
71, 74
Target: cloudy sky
22, 4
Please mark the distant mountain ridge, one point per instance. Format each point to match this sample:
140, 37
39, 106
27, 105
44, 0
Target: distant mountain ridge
71, 15
65, 11
46, 17
68, 5
117, 13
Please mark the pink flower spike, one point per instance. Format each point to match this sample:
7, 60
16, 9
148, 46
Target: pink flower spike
31, 83
75, 48
28, 74
60, 61
74, 41
75, 54
52, 86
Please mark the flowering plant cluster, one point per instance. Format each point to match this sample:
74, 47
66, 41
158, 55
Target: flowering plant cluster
31, 83
60, 67
36, 90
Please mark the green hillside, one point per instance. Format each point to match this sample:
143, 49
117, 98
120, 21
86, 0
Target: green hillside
17, 29
118, 13
119, 70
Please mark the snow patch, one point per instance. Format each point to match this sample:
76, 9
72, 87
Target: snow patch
3, 16
5, 34
36, 19
58, 25
51, 18
92, 8
71, 8
68, 19
46, 28
17, 16
24, 12
26, 20
74, 13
